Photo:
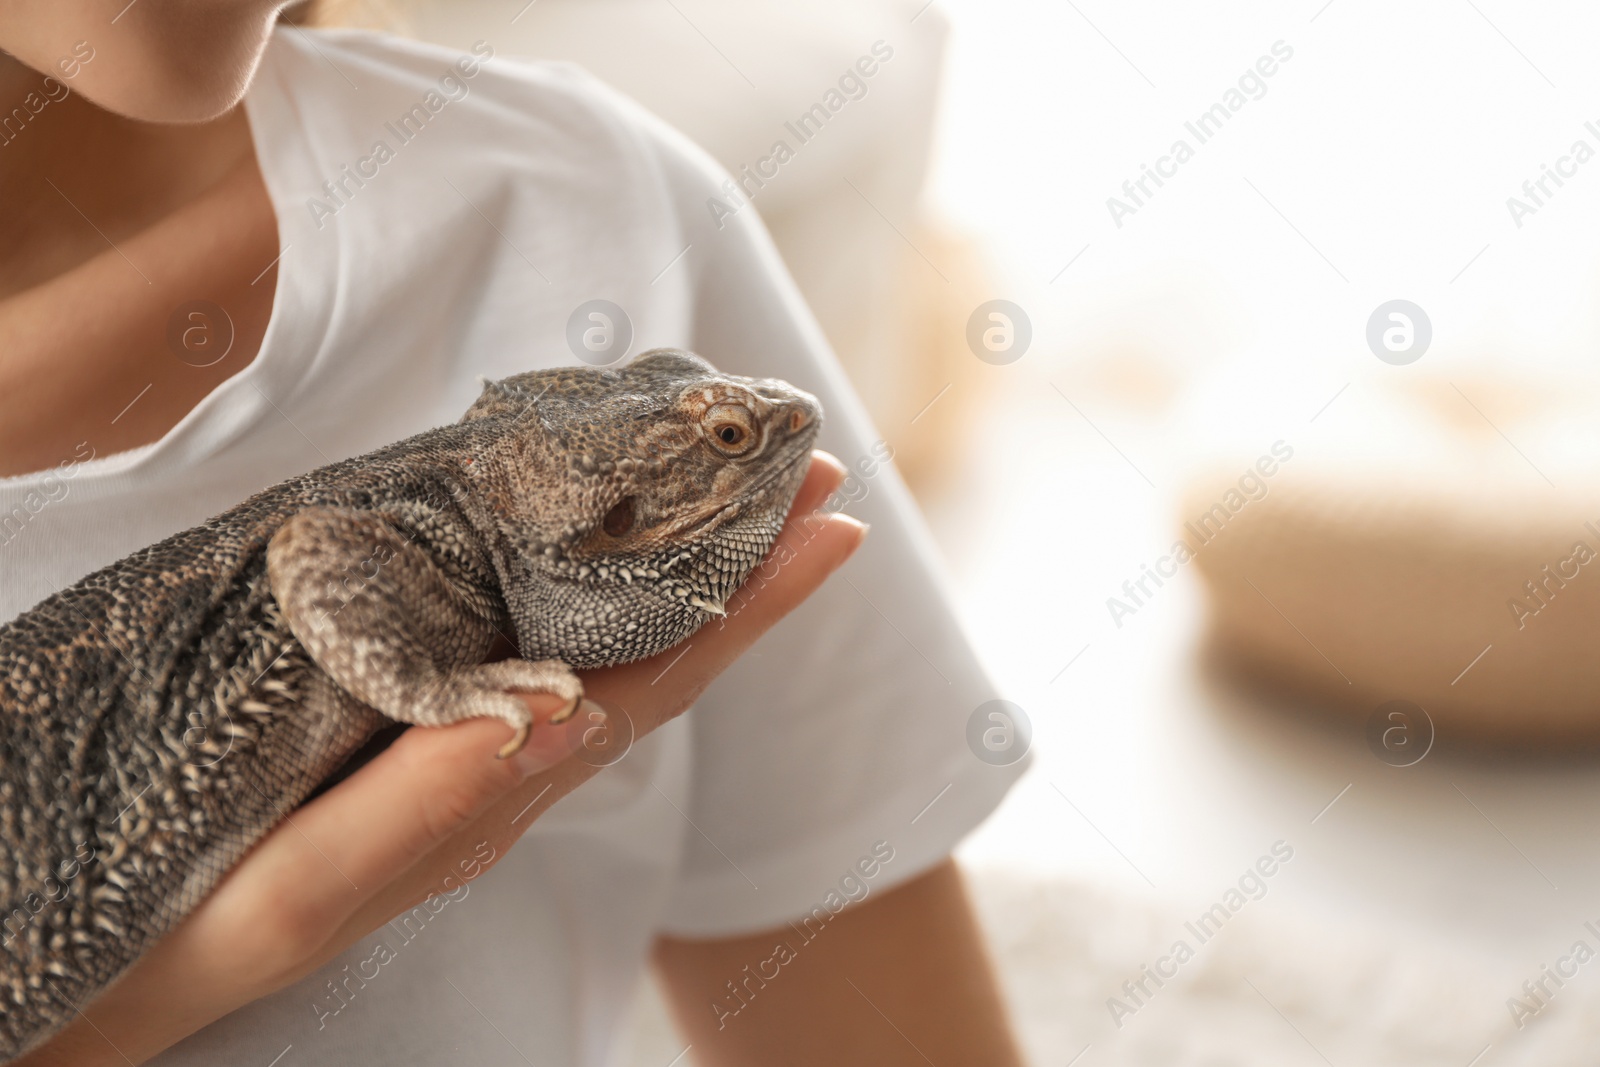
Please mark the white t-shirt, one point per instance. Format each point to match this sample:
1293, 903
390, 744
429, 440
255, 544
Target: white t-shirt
503, 201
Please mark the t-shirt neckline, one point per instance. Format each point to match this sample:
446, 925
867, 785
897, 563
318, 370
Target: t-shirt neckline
237, 401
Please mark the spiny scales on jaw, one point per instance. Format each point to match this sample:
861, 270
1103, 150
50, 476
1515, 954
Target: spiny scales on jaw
163, 714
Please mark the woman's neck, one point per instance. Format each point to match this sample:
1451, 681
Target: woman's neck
75, 178
108, 228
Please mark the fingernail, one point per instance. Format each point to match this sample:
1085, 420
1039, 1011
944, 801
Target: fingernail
553, 742
533, 758
862, 527
829, 459
548, 746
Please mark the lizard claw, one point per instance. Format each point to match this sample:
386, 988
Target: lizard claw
525, 730
496, 690
518, 739
567, 712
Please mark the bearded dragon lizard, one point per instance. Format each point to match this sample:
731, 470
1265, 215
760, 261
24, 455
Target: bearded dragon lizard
160, 716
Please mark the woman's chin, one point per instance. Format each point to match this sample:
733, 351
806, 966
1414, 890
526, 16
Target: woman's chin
173, 62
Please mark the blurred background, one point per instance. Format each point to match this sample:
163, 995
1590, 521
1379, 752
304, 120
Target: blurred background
1174, 339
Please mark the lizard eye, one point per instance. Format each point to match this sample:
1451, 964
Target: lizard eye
731, 428
619, 520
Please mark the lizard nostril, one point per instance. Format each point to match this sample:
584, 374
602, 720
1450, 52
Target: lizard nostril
797, 420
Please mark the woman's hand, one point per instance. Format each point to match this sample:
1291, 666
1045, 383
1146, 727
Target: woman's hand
386, 838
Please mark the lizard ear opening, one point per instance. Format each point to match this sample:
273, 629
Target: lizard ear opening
619, 520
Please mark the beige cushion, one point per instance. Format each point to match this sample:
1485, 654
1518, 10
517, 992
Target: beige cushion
1442, 548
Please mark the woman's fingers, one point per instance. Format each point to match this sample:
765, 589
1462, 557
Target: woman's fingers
826, 542
431, 784
328, 859
825, 476
418, 792
650, 691
811, 547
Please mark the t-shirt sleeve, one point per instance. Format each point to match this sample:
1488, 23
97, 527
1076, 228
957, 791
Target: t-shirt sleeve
842, 736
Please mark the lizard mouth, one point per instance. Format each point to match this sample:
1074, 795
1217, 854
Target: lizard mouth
759, 490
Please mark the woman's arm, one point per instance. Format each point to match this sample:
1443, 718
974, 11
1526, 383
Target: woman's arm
387, 838
899, 980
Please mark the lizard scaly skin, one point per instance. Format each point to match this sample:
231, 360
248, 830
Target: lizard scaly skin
160, 716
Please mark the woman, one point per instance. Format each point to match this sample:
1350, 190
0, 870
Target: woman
235, 250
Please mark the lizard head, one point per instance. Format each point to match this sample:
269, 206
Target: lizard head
636, 500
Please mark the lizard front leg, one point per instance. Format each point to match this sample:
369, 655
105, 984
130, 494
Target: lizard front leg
398, 630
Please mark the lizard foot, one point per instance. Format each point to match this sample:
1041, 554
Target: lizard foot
486, 691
